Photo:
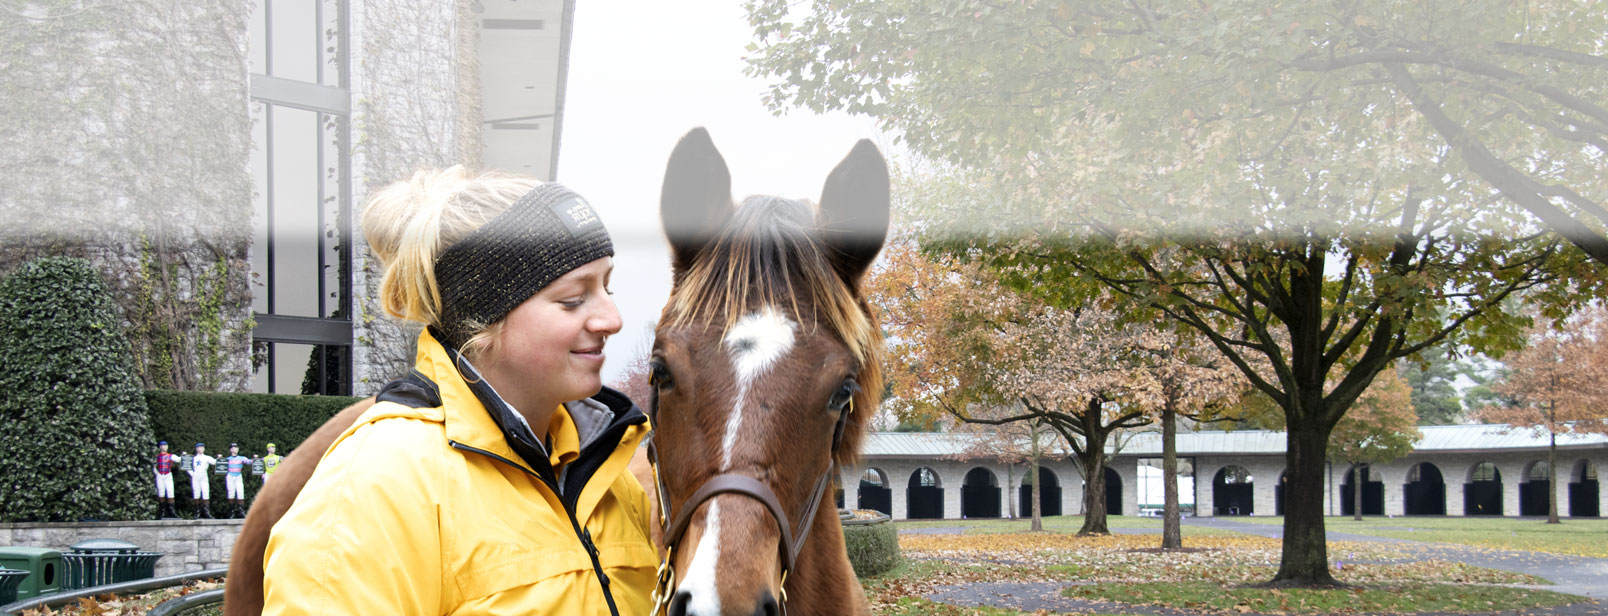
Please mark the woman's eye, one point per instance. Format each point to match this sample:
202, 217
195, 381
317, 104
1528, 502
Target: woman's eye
843, 395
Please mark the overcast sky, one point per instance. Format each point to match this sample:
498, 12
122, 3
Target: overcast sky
643, 73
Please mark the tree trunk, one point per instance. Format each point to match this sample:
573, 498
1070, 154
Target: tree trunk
1552, 478
1171, 533
1356, 491
1094, 506
1038, 520
1305, 557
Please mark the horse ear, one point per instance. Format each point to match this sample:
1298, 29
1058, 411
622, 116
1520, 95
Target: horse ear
853, 217
696, 200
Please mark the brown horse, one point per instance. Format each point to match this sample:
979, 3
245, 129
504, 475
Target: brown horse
242, 596
766, 364
765, 367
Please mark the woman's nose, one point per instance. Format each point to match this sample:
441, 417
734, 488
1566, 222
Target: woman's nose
607, 319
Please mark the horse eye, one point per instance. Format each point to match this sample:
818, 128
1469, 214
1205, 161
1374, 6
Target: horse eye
659, 375
844, 394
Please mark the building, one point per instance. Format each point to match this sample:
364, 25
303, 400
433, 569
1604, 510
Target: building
1454, 470
210, 158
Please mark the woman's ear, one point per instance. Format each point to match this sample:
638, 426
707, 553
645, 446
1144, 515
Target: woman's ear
696, 200
853, 217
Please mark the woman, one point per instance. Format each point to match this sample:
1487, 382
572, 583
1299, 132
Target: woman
491, 479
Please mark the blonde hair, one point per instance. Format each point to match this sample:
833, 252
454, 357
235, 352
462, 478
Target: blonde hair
408, 223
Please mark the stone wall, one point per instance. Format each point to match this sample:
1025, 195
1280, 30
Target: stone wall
186, 545
127, 143
415, 105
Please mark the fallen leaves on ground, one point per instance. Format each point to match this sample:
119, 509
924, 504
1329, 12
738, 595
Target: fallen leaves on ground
131, 605
1218, 564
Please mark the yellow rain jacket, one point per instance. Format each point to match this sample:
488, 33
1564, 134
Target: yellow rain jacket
440, 500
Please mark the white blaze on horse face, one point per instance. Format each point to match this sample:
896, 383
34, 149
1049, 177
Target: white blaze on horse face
755, 343
700, 580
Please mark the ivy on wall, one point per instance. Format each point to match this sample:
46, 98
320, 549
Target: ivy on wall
134, 154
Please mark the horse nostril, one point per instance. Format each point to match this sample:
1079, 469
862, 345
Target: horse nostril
767, 606
678, 606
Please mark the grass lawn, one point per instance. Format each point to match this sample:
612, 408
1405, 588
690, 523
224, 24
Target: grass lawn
1060, 524
916, 606
1575, 536
1395, 598
1126, 569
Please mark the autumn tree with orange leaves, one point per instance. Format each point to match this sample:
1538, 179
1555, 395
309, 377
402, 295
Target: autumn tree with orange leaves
1381, 426
1558, 385
963, 341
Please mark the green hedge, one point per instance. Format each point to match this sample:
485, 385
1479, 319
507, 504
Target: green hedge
873, 548
184, 418
75, 442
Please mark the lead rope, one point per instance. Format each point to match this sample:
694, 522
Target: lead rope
667, 572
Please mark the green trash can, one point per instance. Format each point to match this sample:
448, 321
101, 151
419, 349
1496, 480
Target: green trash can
44, 565
98, 562
10, 579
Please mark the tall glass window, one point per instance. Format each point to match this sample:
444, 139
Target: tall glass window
302, 251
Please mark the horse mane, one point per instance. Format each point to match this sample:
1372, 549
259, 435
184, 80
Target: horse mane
768, 255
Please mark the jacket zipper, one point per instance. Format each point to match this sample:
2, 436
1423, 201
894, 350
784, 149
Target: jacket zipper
585, 535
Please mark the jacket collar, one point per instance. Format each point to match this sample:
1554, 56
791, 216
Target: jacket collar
477, 417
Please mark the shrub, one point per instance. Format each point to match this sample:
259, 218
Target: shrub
873, 547
75, 440
184, 418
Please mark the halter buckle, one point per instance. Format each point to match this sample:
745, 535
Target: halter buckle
665, 585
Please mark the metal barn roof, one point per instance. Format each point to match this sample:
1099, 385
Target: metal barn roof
1474, 437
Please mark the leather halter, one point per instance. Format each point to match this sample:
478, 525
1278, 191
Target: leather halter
732, 483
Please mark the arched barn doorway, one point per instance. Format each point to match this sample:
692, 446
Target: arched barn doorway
1373, 493
1113, 487
874, 492
1425, 491
924, 500
1482, 495
1534, 489
980, 494
1232, 489
1049, 494
1583, 491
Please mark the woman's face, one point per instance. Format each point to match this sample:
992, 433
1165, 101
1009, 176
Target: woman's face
550, 349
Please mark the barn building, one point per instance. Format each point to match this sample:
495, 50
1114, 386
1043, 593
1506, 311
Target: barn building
1489, 470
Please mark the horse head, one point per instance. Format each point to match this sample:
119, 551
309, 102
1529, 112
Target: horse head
765, 370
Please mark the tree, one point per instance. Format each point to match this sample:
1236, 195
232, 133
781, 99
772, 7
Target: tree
633, 380
1514, 90
1278, 178
1198, 383
77, 442
964, 341
1557, 385
1432, 377
1380, 427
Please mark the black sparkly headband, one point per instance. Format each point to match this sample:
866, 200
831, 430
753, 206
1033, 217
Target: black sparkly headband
484, 276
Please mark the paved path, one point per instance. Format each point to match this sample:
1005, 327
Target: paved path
1570, 574
1576, 575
